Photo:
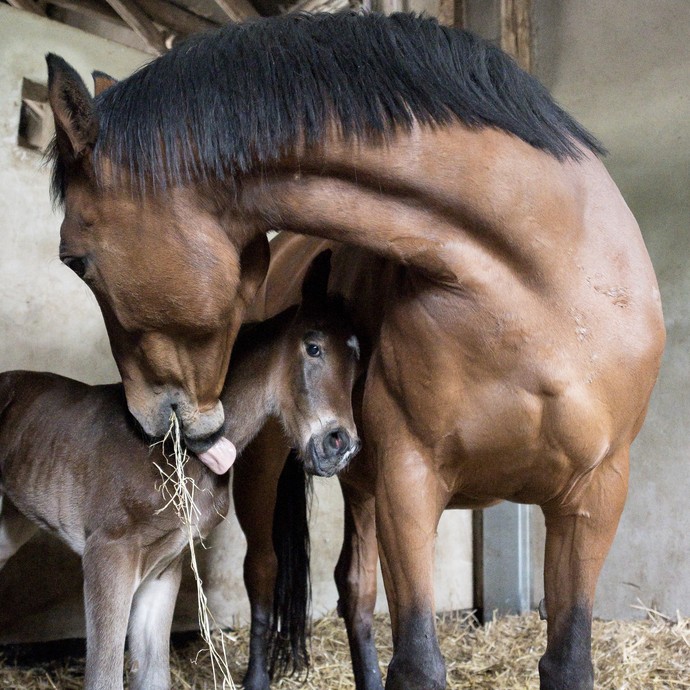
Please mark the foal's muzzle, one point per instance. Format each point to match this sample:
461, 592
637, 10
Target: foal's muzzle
329, 453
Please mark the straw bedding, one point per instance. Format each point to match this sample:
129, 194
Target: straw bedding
652, 654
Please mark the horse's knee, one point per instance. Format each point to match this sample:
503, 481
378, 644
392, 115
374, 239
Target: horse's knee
356, 599
567, 663
417, 662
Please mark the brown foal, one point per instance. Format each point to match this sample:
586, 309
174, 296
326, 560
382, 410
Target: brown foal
72, 462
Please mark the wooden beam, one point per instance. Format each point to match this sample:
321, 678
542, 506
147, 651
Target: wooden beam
162, 12
91, 8
387, 6
516, 31
140, 23
176, 18
319, 6
28, 5
237, 10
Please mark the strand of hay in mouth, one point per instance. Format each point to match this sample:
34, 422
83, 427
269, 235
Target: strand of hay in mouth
180, 489
650, 654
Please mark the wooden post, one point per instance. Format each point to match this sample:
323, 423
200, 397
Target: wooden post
237, 10
387, 6
516, 31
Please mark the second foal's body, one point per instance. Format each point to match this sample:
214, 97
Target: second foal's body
72, 463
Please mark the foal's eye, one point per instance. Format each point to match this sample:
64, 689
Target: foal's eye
313, 350
76, 263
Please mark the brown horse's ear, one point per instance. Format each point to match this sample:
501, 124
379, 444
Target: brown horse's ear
254, 262
315, 283
76, 124
101, 82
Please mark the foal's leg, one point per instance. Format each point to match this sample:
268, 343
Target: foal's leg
355, 577
149, 629
109, 585
579, 533
255, 483
409, 501
15, 530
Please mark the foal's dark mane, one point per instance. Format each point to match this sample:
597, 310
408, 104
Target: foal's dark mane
245, 94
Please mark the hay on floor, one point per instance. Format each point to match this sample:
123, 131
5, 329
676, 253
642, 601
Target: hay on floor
651, 654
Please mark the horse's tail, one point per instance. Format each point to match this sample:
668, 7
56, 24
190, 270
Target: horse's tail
291, 618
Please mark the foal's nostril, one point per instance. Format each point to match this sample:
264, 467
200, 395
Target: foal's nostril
336, 442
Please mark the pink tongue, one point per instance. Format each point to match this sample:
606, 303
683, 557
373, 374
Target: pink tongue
220, 456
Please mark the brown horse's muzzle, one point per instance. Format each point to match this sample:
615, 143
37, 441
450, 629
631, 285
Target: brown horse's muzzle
200, 430
330, 452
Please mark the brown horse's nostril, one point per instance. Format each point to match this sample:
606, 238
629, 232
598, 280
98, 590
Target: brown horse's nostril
336, 443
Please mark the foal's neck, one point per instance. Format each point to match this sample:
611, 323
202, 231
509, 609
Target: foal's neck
251, 392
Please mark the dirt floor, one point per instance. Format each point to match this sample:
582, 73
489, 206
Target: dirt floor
653, 654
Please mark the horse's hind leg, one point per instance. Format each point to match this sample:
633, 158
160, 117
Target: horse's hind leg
15, 530
149, 629
578, 538
255, 482
355, 577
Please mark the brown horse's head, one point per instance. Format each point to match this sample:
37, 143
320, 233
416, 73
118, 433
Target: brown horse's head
321, 362
172, 305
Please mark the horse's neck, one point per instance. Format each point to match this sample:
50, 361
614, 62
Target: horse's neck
250, 393
447, 201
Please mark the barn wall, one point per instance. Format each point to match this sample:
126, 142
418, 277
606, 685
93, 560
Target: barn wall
49, 320
623, 68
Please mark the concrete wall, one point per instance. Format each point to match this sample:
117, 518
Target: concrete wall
623, 68
49, 320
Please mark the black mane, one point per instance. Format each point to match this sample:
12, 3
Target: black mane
242, 95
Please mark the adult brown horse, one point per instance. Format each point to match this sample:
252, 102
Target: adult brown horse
515, 349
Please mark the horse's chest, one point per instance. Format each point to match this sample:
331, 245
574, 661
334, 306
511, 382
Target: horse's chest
168, 534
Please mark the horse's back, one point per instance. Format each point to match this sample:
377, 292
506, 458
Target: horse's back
59, 444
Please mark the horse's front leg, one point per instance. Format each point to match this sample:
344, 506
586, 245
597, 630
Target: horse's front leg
409, 501
110, 573
579, 533
355, 578
149, 629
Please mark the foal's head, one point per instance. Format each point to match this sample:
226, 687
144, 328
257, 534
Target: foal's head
319, 364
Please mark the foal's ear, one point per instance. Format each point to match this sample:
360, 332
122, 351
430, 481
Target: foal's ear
254, 262
315, 283
101, 82
76, 124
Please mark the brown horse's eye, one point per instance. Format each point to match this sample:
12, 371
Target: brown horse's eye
76, 263
313, 350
